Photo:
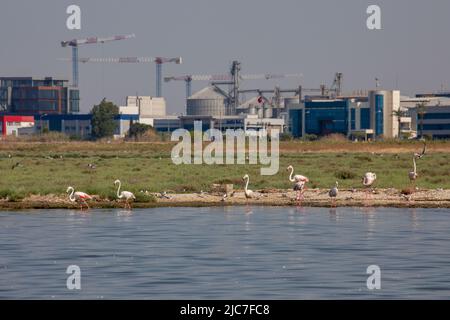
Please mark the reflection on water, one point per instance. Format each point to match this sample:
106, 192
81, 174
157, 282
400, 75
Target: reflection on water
225, 253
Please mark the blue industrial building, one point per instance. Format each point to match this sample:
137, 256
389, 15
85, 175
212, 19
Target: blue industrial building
369, 116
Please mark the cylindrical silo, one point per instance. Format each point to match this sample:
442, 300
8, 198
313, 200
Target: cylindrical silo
206, 102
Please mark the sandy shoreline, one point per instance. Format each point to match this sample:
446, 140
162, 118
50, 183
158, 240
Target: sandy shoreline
312, 198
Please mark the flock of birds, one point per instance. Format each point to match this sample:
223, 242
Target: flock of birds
299, 181
368, 180
82, 197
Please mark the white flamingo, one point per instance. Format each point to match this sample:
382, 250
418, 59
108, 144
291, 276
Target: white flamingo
78, 196
368, 180
333, 194
413, 174
249, 194
424, 150
300, 182
127, 195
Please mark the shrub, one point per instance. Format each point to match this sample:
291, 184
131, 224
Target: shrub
286, 137
143, 197
310, 137
345, 174
334, 137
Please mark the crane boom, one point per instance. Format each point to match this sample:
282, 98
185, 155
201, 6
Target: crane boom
225, 77
157, 60
93, 40
74, 43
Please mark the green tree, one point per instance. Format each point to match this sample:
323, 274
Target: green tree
137, 130
399, 114
103, 123
421, 110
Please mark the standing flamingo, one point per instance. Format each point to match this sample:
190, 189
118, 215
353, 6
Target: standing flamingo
413, 174
300, 182
249, 194
127, 195
78, 196
368, 180
333, 194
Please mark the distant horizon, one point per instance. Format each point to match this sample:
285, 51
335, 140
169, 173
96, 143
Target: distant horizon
315, 38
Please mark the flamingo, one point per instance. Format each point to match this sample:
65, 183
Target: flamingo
78, 196
127, 195
300, 182
368, 180
249, 194
333, 194
424, 150
413, 174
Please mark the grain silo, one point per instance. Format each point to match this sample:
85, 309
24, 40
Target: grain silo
207, 102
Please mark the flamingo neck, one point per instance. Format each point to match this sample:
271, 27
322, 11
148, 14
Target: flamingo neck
246, 185
118, 189
290, 176
71, 197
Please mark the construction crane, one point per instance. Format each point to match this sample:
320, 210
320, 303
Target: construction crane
159, 61
92, 40
223, 77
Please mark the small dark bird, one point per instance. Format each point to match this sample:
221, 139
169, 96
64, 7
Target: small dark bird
16, 165
92, 166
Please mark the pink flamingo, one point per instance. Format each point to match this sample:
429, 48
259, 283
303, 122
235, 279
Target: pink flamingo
300, 183
368, 180
78, 196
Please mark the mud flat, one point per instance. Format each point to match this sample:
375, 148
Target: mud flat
312, 198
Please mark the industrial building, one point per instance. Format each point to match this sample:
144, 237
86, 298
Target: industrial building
15, 125
248, 123
371, 116
434, 119
78, 125
31, 96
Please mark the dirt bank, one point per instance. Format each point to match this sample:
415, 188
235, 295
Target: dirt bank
312, 198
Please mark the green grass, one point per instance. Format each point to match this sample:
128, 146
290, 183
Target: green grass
44, 171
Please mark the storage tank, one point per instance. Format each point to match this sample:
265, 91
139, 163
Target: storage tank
290, 101
268, 112
207, 102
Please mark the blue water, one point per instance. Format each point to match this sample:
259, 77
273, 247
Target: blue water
226, 253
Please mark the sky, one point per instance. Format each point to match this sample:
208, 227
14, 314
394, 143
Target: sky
314, 37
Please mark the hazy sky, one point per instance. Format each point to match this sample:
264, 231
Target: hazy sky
314, 37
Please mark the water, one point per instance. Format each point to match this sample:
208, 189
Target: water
226, 253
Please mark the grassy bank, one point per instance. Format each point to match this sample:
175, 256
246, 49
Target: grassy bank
49, 168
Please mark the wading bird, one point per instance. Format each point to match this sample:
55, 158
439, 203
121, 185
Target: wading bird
333, 194
300, 182
79, 197
368, 180
127, 195
413, 174
249, 194
424, 150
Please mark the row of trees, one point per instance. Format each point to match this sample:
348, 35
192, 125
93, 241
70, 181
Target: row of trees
104, 124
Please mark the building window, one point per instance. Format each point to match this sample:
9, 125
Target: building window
379, 116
